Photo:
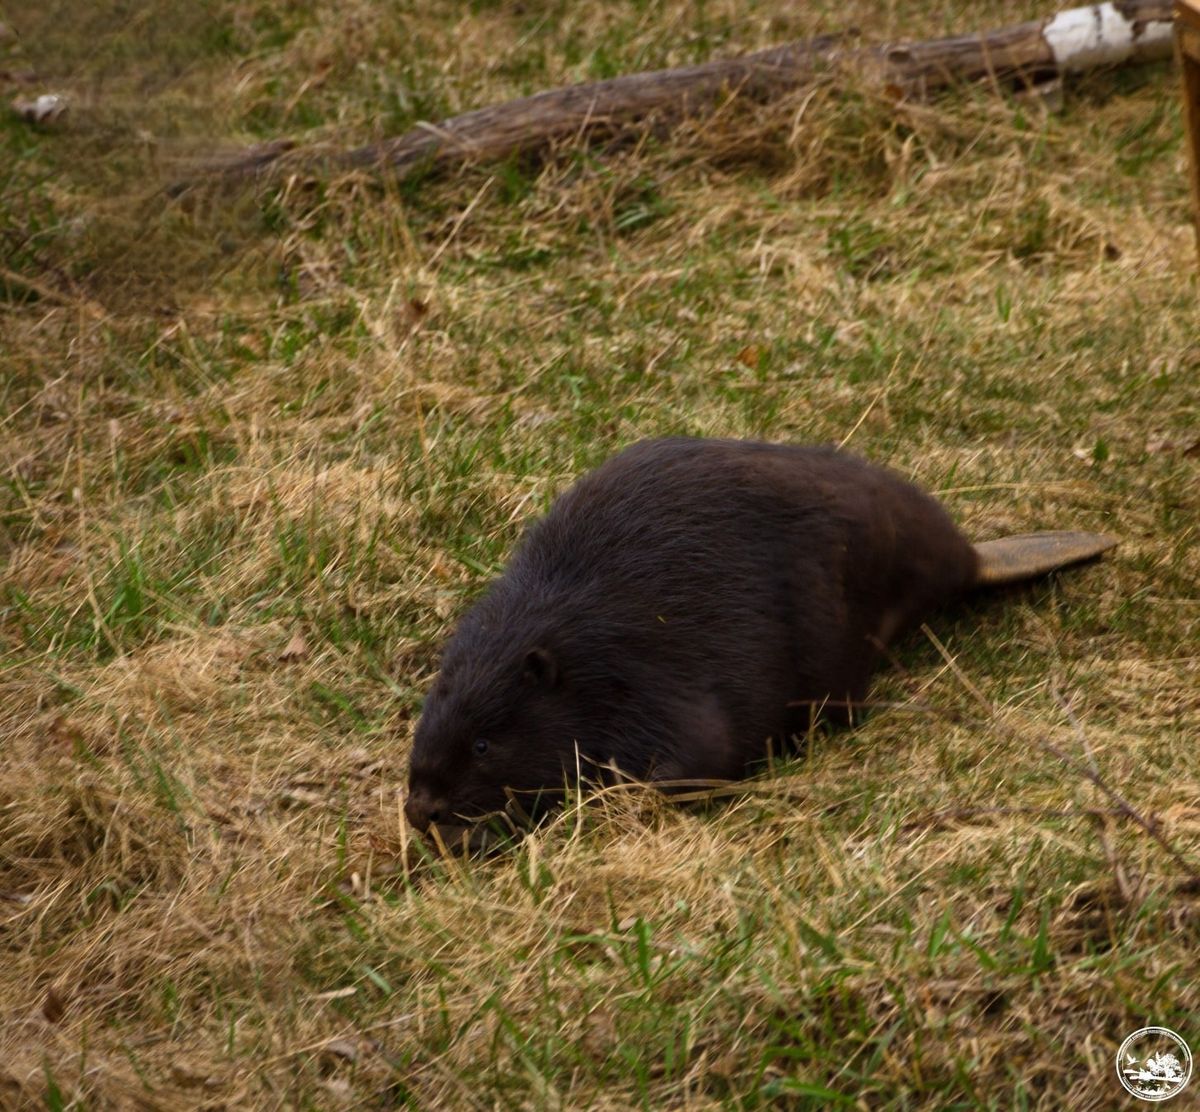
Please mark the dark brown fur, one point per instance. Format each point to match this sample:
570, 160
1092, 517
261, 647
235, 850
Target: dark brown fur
667, 612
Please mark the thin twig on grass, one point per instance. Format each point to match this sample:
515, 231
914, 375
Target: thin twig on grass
952, 813
49, 293
1089, 773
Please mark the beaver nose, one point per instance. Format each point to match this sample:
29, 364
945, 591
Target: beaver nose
422, 809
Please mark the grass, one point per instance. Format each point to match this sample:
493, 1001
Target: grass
259, 449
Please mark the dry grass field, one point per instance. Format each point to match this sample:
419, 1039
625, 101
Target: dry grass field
259, 447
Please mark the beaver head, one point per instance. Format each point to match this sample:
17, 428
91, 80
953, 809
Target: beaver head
501, 730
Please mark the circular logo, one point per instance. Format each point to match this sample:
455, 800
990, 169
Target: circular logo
1154, 1064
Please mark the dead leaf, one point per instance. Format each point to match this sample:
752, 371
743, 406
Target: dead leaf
535, 418
364, 763
445, 603
342, 1048
188, 1076
1187, 445
411, 314
338, 1088
1047, 93
302, 796
750, 356
296, 648
64, 733
599, 1033
253, 343
54, 1004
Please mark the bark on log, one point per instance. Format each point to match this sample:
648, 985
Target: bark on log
1187, 37
1069, 42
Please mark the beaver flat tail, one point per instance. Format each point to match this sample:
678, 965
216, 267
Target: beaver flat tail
1027, 555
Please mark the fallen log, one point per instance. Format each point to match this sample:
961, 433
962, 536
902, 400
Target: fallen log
1071, 41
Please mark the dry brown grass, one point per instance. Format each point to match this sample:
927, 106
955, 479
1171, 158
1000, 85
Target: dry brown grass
258, 451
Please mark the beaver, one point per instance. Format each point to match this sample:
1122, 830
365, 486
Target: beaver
683, 609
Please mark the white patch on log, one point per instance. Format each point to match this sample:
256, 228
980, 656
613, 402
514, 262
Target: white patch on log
1098, 35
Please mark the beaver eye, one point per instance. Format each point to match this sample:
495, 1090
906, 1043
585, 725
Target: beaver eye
481, 745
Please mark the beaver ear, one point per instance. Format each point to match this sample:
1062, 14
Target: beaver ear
540, 668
